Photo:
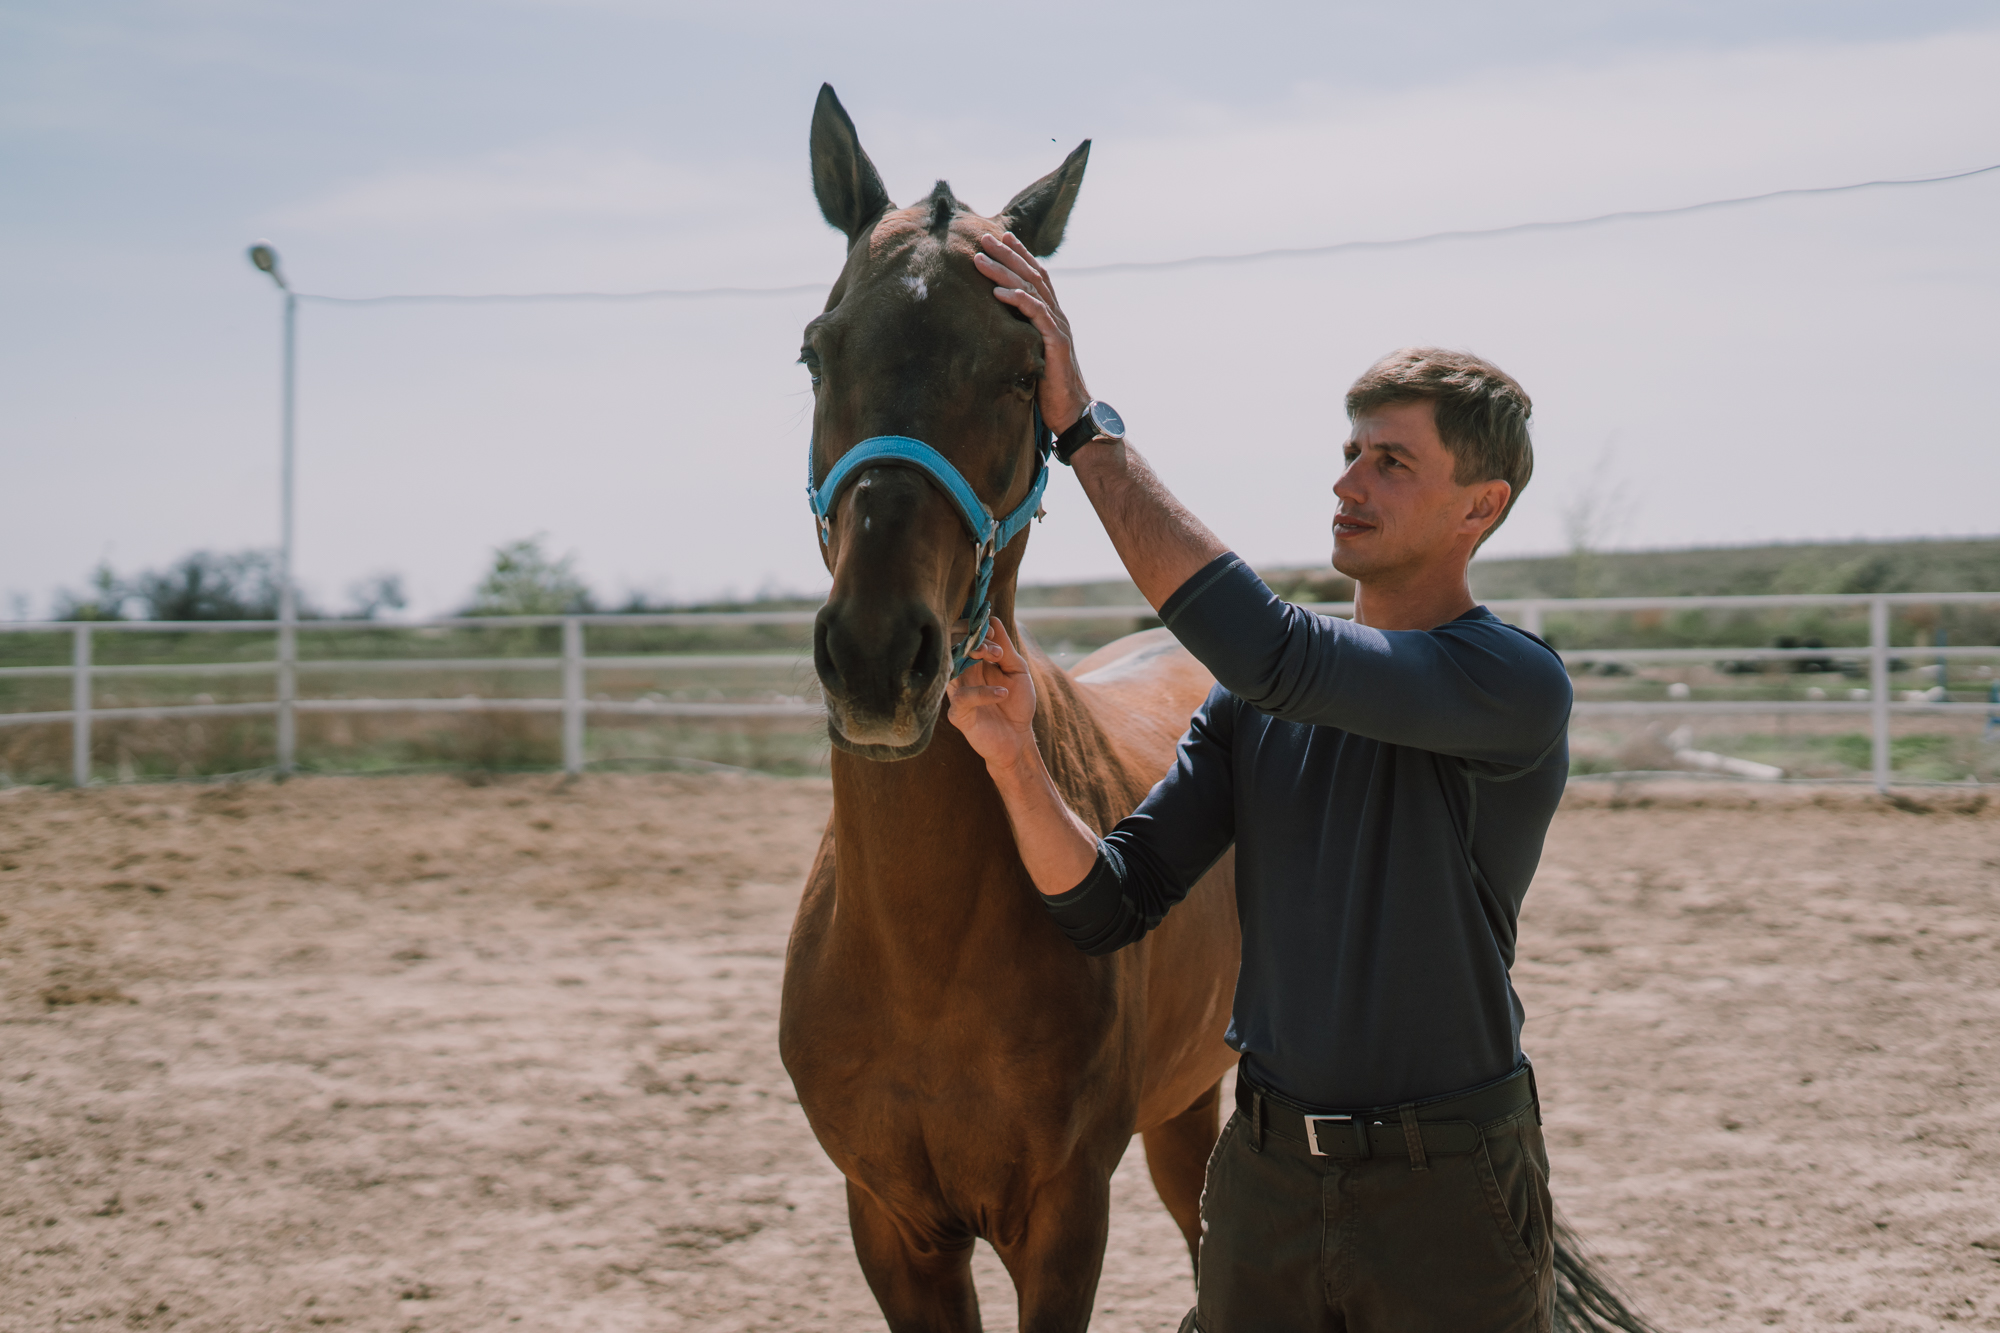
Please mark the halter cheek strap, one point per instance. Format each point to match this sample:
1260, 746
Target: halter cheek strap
990, 535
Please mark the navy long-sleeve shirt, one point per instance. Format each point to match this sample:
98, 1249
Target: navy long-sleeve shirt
1388, 794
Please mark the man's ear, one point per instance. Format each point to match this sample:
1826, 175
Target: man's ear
1038, 214
1489, 502
845, 182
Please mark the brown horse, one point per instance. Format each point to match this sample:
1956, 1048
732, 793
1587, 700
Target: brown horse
970, 1073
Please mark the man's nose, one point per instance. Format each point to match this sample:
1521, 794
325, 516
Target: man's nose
1347, 486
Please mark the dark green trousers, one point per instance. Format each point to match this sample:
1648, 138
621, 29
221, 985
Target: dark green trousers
1457, 1242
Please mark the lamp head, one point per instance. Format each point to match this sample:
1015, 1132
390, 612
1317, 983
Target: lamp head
265, 257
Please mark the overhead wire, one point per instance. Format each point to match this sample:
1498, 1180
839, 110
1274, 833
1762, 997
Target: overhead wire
1191, 261
1512, 229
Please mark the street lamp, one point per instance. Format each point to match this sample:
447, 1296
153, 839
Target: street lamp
265, 258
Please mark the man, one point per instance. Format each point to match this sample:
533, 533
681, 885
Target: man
1387, 784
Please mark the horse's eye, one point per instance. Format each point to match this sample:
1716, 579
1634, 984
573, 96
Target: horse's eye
810, 360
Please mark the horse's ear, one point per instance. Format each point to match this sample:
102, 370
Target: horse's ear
1038, 214
849, 191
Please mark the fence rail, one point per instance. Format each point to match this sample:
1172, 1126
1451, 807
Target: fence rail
574, 664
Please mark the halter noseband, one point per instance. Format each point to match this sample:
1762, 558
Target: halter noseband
990, 535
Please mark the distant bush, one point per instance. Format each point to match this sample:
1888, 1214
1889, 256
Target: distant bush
203, 585
1940, 565
104, 599
1310, 585
525, 581
212, 585
370, 596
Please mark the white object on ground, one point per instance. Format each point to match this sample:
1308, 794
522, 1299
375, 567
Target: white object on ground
1708, 761
1711, 762
1679, 690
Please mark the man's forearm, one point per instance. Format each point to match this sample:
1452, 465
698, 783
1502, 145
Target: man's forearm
1161, 543
1058, 848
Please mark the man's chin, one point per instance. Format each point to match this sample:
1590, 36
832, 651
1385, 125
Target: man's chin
1348, 561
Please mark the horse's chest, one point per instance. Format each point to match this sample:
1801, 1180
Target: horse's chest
972, 1083
969, 1142
949, 1057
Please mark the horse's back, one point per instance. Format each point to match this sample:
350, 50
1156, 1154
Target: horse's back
1142, 689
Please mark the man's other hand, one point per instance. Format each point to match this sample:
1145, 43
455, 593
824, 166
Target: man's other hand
993, 702
1020, 280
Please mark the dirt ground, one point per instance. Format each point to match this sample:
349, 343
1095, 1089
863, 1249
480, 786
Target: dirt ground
414, 1054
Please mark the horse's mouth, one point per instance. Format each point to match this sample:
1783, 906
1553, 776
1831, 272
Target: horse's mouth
904, 735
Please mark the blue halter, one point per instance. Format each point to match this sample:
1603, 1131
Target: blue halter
990, 535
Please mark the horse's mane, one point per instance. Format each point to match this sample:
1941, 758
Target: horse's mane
1086, 768
944, 207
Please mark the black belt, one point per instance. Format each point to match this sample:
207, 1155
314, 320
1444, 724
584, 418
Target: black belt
1441, 1126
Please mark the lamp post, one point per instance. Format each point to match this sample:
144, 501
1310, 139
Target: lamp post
265, 258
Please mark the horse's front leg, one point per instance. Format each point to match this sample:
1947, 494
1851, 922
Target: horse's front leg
921, 1278
1056, 1251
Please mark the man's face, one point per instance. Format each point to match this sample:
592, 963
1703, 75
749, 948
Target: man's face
1400, 510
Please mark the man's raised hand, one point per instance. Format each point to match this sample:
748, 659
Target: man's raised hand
1020, 280
993, 702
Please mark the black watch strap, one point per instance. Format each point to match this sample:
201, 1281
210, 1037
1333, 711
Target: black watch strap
1081, 432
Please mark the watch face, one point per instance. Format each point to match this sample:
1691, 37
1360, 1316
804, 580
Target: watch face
1107, 420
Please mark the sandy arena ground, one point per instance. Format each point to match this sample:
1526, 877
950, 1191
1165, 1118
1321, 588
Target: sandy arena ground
413, 1054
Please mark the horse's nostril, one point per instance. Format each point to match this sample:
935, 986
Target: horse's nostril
924, 663
823, 664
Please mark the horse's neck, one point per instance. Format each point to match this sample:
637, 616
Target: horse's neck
926, 839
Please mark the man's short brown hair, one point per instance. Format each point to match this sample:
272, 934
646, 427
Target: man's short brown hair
1481, 413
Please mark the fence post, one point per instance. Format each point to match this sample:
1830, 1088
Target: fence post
288, 691
1531, 618
1878, 677
79, 705
572, 712
288, 592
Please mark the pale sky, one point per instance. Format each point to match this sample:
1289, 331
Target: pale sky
1809, 368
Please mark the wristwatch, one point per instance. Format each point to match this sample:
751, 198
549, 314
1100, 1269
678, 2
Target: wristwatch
1100, 421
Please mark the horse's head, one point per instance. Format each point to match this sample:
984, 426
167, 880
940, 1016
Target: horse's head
913, 343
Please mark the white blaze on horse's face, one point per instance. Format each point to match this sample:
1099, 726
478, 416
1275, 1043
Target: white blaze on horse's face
912, 344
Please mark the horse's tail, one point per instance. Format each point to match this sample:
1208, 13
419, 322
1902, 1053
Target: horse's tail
1586, 1302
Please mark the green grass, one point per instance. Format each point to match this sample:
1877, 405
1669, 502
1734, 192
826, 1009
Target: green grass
1810, 749
1943, 565
500, 741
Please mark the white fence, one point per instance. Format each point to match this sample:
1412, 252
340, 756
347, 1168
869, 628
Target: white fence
574, 664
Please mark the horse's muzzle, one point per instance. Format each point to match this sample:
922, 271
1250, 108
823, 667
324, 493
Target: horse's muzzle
883, 675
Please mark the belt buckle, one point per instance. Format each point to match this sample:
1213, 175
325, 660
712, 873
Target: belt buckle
1312, 1131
